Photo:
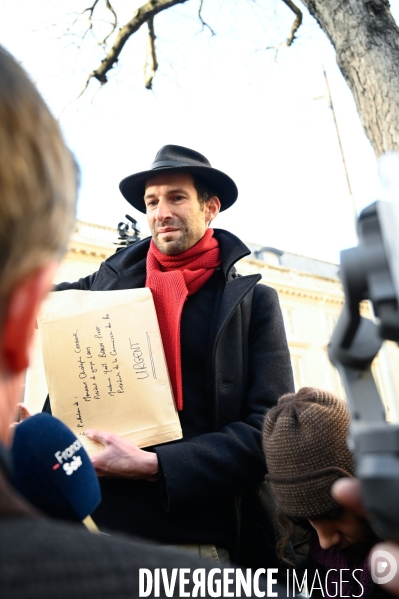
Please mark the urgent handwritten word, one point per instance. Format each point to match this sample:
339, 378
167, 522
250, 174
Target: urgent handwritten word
139, 365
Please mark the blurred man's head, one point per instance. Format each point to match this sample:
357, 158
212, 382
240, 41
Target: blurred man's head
38, 180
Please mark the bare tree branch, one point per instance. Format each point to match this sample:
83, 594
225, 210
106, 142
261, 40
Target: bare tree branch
141, 16
151, 63
89, 9
204, 24
111, 8
297, 23
90, 28
114, 24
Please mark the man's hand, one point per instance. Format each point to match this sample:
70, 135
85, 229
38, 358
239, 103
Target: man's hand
24, 413
347, 492
121, 459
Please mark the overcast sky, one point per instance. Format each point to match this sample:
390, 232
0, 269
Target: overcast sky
262, 118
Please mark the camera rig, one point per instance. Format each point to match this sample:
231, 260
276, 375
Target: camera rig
370, 272
125, 237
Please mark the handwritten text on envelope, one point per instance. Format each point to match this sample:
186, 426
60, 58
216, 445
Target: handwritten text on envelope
105, 365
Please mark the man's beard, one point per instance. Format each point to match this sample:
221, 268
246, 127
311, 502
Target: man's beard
173, 246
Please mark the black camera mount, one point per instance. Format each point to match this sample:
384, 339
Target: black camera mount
367, 274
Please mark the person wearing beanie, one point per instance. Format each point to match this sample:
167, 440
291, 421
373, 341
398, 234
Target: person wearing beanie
305, 445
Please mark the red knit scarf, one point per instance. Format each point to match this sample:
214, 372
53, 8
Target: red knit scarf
171, 279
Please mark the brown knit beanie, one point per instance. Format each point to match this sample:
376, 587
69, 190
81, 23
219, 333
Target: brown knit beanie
305, 443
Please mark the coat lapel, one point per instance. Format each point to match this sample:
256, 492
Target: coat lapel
234, 293
230, 348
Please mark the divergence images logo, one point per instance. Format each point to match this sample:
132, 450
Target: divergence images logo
383, 566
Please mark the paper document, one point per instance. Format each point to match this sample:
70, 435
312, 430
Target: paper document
105, 366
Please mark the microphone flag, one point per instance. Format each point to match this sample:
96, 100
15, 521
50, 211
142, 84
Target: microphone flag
52, 470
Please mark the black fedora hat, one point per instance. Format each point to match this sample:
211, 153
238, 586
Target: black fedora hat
179, 160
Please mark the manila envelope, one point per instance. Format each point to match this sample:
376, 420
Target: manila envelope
105, 366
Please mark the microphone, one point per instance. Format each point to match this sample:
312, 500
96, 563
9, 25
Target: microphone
52, 470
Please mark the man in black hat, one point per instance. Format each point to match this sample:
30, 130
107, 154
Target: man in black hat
41, 558
227, 357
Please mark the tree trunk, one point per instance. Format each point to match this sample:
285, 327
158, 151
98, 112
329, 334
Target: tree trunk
366, 39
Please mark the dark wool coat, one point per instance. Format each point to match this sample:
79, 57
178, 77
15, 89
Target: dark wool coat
249, 369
